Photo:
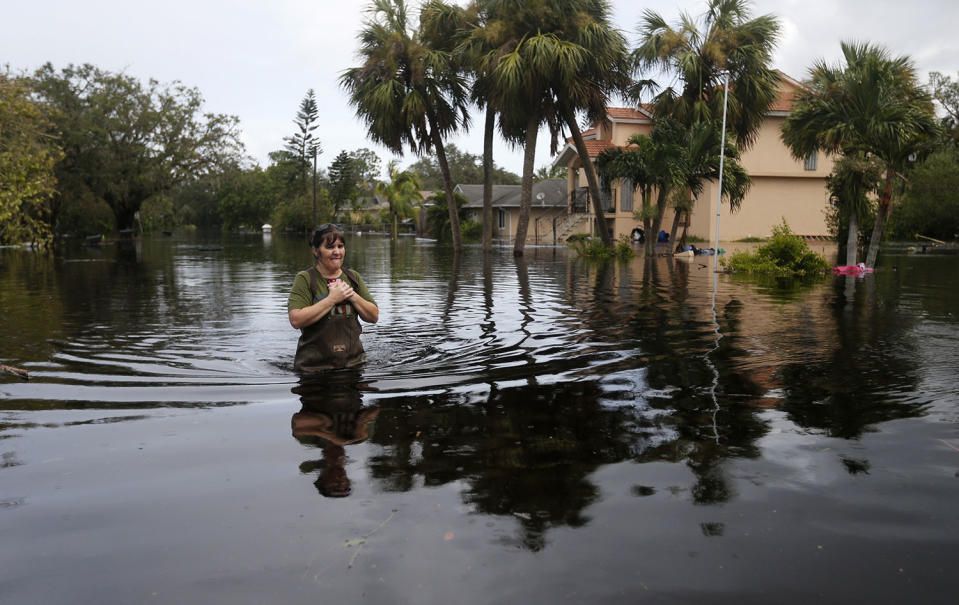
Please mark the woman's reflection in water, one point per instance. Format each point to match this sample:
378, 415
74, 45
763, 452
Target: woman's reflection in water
332, 416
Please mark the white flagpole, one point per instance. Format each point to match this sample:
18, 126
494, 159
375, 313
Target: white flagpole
719, 195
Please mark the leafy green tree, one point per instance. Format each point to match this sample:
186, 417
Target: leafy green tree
344, 181
871, 105
367, 165
27, 160
408, 92
724, 43
946, 92
465, 168
402, 192
437, 219
125, 141
549, 171
784, 255
930, 205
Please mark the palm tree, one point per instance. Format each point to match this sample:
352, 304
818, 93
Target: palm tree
401, 192
725, 45
854, 177
873, 105
540, 62
409, 91
501, 50
673, 160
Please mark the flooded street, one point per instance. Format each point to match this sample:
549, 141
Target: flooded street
540, 430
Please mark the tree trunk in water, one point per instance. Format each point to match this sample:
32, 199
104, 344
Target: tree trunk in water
882, 214
448, 185
570, 118
488, 179
662, 195
526, 189
675, 227
852, 238
649, 247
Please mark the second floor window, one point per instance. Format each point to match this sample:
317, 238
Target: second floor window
811, 160
626, 198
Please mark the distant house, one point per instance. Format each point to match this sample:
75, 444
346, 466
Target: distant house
549, 214
782, 187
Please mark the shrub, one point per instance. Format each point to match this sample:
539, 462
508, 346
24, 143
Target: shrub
588, 247
786, 255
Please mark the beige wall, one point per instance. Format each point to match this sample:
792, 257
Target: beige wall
781, 188
544, 226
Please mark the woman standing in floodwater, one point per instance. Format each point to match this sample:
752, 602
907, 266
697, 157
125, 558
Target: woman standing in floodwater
324, 304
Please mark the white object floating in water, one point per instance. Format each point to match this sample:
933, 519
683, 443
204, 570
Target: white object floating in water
267, 228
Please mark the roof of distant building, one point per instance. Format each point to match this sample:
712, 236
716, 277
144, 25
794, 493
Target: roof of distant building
508, 196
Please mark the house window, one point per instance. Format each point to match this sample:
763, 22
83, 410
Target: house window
626, 198
607, 201
811, 160
500, 218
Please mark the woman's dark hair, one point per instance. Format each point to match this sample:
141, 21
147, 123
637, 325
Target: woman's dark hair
326, 233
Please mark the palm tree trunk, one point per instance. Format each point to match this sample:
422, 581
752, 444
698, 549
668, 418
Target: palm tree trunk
488, 179
882, 214
676, 218
448, 186
526, 189
852, 237
662, 195
650, 246
570, 118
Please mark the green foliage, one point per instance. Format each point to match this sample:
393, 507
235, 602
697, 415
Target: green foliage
785, 255
465, 168
297, 214
344, 181
550, 171
438, 219
872, 105
125, 140
724, 42
589, 247
302, 146
471, 229
27, 160
930, 205
86, 215
946, 92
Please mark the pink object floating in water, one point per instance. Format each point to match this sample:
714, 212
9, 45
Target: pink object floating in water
860, 269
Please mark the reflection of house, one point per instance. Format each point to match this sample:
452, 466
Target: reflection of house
782, 187
549, 218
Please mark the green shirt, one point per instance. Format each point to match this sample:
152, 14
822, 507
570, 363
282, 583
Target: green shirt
300, 292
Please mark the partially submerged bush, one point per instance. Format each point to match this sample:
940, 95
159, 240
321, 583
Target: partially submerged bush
588, 247
786, 255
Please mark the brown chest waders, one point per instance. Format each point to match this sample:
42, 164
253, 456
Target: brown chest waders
334, 340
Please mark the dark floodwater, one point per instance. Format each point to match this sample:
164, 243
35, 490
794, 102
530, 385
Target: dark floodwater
539, 431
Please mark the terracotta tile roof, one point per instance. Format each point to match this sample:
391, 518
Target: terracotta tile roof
626, 113
595, 147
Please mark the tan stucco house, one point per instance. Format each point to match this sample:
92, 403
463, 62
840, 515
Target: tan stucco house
782, 187
550, 208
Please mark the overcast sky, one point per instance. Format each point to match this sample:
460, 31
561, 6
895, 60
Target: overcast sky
256, 58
